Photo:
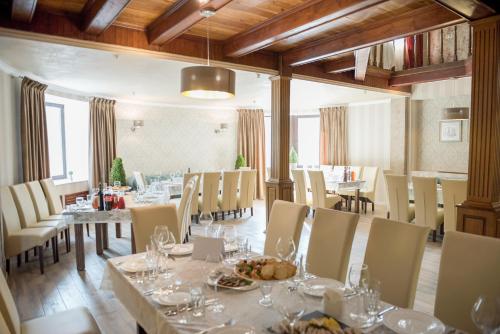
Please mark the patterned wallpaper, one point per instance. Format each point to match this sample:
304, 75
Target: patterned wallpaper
398, 106
175, 139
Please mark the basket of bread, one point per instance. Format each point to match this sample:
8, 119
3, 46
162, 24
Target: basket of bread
265, 269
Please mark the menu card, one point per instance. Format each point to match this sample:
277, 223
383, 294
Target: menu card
203, 246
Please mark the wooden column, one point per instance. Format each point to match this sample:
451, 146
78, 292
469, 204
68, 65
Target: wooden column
279, 185
480, 213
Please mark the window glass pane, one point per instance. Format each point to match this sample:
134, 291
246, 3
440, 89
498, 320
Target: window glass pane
308, 138
55, 140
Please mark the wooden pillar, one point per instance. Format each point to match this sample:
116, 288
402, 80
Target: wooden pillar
279, 185
480, 213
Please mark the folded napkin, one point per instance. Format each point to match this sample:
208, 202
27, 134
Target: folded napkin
333, 300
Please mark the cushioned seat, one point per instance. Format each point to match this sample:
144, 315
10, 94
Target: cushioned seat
27, 238
74, 321
60, 225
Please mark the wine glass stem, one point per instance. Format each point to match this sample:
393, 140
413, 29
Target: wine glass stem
206, 231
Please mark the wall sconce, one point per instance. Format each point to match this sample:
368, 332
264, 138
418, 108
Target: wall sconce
223, 127
137, 124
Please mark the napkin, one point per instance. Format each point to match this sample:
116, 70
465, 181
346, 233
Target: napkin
333, 300
203, 246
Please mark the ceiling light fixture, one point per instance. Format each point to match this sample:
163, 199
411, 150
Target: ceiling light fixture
207, 82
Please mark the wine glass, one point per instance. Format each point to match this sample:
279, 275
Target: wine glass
291, 304
486, 314
214, 275
206, 220
358, 272
266, 287
285, 248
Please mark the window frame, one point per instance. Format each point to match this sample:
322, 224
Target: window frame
63, 140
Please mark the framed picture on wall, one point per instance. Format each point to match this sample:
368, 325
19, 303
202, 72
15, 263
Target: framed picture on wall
450, 131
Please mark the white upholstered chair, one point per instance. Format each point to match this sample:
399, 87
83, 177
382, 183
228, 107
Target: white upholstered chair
196, 194
53, 196
286, 220
427, 212
454, 192
228, 201
146, 218
74, 321
398, 203
301, 193
384, 173
17, 239
470, 267
332, 233
210, 193
140, 180
184, 210
394, 255
246, 193
320, 199
367, 193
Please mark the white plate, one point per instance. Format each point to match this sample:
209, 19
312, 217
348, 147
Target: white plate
252, 286
316, 287
236, 329
412, 322
182, 249
134, 265
172, 299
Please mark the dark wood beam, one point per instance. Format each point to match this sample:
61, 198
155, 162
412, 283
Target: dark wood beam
423, 19
378, 72
469, 9
292, 22
339, 65
23, 10
98, 15
429, 73
179, 18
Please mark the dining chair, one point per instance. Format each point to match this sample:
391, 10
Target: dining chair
332, 233
184, 210
427, 212
246, 193
469, 268
144, 220
320, 199
53, 196
394, 256
367, 193
454, 193
228, 201
78, 320
140, 180
384, 173
18, 240
299, 177
195, 210
210, 193
42, 210
349, 194
398, 204
285, 221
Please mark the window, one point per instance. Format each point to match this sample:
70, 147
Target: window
68, 138
308, 141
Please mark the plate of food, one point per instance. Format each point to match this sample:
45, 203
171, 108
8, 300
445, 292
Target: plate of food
265, 269
234, 282
315, 322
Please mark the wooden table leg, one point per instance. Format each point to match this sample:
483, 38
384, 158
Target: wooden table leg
132, 239
118, 230
105, 239
80, 251
356, 201
98, 239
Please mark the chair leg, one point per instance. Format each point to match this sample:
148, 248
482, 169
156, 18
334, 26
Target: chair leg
314, 211
35, 251
68, 240
251, 211
47, 244
189, 229
139, 329
54, 253
40, 258
234, 213
373, 206
18, 260
241, 213
62, 235
7, 265
88, 231
388, 215
26, 257
434, 236
223, 215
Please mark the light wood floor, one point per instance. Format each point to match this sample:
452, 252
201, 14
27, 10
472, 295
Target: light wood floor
63, 287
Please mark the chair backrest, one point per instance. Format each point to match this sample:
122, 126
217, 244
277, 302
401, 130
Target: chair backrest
39, 200
332, 233
8, 307
454, 192
318, 188
196, 192
230, 182
140, 181
210, 192
24, 205
397, 197
358, 171
285, 221
11, 219
369, 175
184, 210
425, 194
248, 180
145, 219
470, 267
394, 255
52, 195
300, 186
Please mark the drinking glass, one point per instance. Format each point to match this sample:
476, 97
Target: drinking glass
357, 273
80, 201
117, 184
265, 289
291, 304
216, 231
371, 299
206, 220
486, 314
230, 235
285, 248
214, 275
89, 200
151, 258
198, 300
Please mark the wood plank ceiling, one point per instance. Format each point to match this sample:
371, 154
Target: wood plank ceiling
293, 32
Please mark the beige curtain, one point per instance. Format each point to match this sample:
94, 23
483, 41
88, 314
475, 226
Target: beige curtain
34, 142
102, 139
333, 136
251, 143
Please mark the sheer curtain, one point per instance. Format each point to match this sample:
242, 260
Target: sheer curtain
34, 140
102, 139
251, 143
333, 135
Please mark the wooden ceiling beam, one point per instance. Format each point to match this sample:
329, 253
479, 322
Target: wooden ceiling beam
292, 22
430, 73
339, 65
23, 10
98, 15
423, 19
179, 18
469, 9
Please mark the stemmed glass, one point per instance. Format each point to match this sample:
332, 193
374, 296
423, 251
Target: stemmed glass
291, 304
486, 314
206, 220
266, 288
214, 275
285, 248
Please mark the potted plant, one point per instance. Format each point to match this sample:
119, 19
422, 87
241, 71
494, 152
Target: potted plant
240, 162
117, 172
294, 157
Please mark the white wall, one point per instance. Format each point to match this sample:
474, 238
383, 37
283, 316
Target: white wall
175, 139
